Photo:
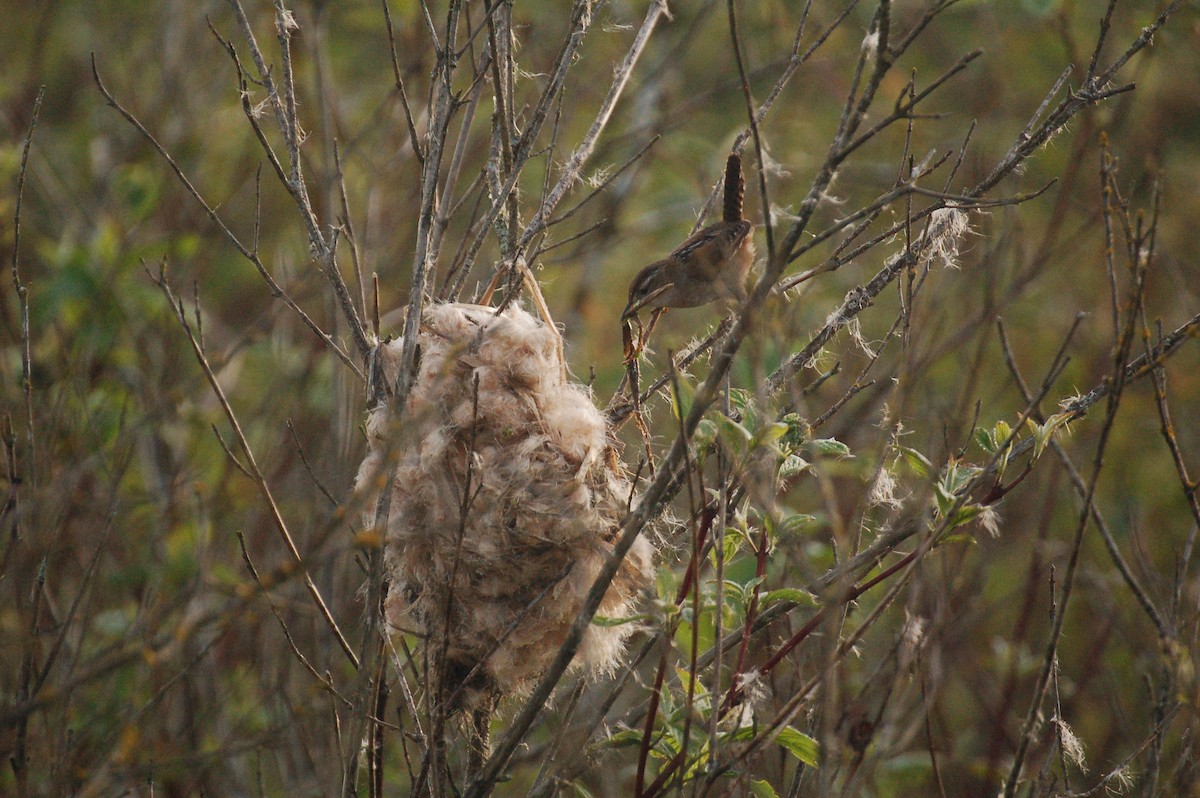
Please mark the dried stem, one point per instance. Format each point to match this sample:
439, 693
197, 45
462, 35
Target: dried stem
251, 463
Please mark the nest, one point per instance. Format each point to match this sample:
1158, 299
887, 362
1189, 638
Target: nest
495, 580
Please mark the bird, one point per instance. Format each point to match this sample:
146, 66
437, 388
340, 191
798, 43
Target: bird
708, 266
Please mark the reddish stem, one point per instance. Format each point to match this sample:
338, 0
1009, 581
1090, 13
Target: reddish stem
669, 769
751, 616
689, 576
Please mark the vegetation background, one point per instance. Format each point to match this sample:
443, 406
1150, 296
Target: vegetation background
138, 655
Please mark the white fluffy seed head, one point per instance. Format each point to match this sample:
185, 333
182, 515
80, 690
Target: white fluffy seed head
947, 226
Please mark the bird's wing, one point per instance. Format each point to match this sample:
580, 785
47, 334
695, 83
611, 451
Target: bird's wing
725, 235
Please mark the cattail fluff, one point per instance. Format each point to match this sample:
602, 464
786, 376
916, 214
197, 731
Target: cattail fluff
493, 590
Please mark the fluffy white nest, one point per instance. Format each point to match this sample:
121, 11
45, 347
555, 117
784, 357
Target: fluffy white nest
546, 496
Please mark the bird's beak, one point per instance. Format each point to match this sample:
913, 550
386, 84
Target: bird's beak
635, 305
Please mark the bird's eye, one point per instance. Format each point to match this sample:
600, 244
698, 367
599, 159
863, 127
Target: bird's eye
641, 284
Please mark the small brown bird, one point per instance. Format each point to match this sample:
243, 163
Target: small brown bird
710, 265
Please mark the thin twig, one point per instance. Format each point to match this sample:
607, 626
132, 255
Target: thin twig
246, 252
23, 292
251, 463
1077, 481
413, 138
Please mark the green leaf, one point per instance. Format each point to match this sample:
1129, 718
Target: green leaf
798, 522
681, 401
793, 594
749, 587
742, 401
797, 432
666, 609
666, 748
829, 447
732, 591
792, 466
799, 745
918, 462
683, 634
965, 515
734, 435
624, 739
666, 584
605, 621
740, 734
734, 540
944, 499
760, 789
956, 476
1042, 433
770, 434
700, 692
736, 591
705, 434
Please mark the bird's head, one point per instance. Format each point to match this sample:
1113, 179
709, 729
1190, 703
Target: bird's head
648, 287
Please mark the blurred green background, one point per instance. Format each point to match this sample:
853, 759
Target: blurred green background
126, 500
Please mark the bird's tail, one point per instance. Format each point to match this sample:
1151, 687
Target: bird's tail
735, 188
